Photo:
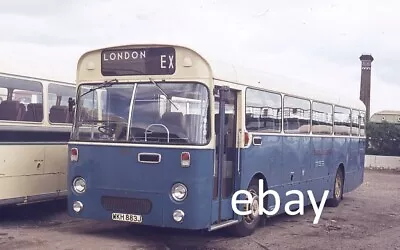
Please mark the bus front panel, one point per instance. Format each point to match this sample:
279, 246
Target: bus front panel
118, 182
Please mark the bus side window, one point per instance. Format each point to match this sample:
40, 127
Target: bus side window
21, 94
362, 124
263, 111
58, 103
297, 115
322, 122
342, 121
355, 122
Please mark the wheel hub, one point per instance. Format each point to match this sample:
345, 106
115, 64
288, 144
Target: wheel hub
253, 208
338, 187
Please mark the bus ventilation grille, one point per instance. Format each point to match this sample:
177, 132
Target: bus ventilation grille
126, 205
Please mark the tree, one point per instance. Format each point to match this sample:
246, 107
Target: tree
383, 138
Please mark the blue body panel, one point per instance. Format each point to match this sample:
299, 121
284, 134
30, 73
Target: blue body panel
115, 171
313, 162
287, 162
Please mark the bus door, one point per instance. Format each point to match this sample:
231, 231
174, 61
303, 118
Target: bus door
226, 153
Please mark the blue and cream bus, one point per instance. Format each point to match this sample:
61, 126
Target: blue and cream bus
163, 136
35, 126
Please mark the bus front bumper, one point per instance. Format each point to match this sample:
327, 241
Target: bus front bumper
142, 208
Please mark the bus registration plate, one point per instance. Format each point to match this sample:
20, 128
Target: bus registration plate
127, 217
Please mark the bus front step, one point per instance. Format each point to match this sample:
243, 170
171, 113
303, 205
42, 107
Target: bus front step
223, 224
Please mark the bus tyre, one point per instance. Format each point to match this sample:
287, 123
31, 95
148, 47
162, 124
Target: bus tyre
249, 222
337, 190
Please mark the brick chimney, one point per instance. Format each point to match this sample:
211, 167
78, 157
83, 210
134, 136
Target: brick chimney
365, 86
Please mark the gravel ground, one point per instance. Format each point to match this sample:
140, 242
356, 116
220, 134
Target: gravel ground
368, 218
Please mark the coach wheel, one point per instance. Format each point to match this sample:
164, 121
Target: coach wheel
249, 222
338, 187
253, 208
337, 190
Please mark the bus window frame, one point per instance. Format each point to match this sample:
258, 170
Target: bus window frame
334, 120
209, 136
362, 118
280, 94
48, 108
358, 123
40, 82
283, 115
332, 116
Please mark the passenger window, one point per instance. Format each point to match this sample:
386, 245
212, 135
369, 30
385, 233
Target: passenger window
355, 114
342, 119
362, 124
22, 100
322, 118
263, 111
3, 94
297, 115
57, 106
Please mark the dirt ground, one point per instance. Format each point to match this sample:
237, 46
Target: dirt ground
368, 218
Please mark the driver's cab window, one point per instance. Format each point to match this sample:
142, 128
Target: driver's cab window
88, 107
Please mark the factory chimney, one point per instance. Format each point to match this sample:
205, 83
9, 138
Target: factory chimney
365, 85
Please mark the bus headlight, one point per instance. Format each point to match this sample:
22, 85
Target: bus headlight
178, 215
179, 192
79, 185
77, 206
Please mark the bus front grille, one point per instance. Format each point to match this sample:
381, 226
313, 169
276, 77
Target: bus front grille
126, 205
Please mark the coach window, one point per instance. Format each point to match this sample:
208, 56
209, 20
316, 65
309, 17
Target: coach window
22, 100
3, 94
355, 122
263, 111
362, 124
322, 118
296, 115
342, 124
57, 106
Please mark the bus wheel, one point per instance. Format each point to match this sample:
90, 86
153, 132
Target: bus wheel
249, 222
337, 190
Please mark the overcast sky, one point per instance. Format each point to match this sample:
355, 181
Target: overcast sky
315, 41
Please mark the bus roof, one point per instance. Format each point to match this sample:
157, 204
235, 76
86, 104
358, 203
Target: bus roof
28, 77
268, 81
259, 79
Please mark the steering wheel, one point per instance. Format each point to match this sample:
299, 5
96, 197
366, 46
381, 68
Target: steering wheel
114, 127
108, 129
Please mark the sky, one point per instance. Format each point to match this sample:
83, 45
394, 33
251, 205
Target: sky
314, 41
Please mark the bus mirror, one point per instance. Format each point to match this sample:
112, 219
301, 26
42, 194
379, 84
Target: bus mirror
71, 104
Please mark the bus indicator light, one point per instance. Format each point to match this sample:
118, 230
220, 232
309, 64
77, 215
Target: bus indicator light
246, 138
74, 154
185, 159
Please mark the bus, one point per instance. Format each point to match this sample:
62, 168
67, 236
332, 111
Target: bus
164, 137
35, 126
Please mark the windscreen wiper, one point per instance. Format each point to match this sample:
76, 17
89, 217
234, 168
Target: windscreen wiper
168, 98
103, 85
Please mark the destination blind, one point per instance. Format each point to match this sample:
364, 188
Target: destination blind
138, 61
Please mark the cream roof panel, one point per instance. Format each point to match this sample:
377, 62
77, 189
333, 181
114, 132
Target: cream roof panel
259, 79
